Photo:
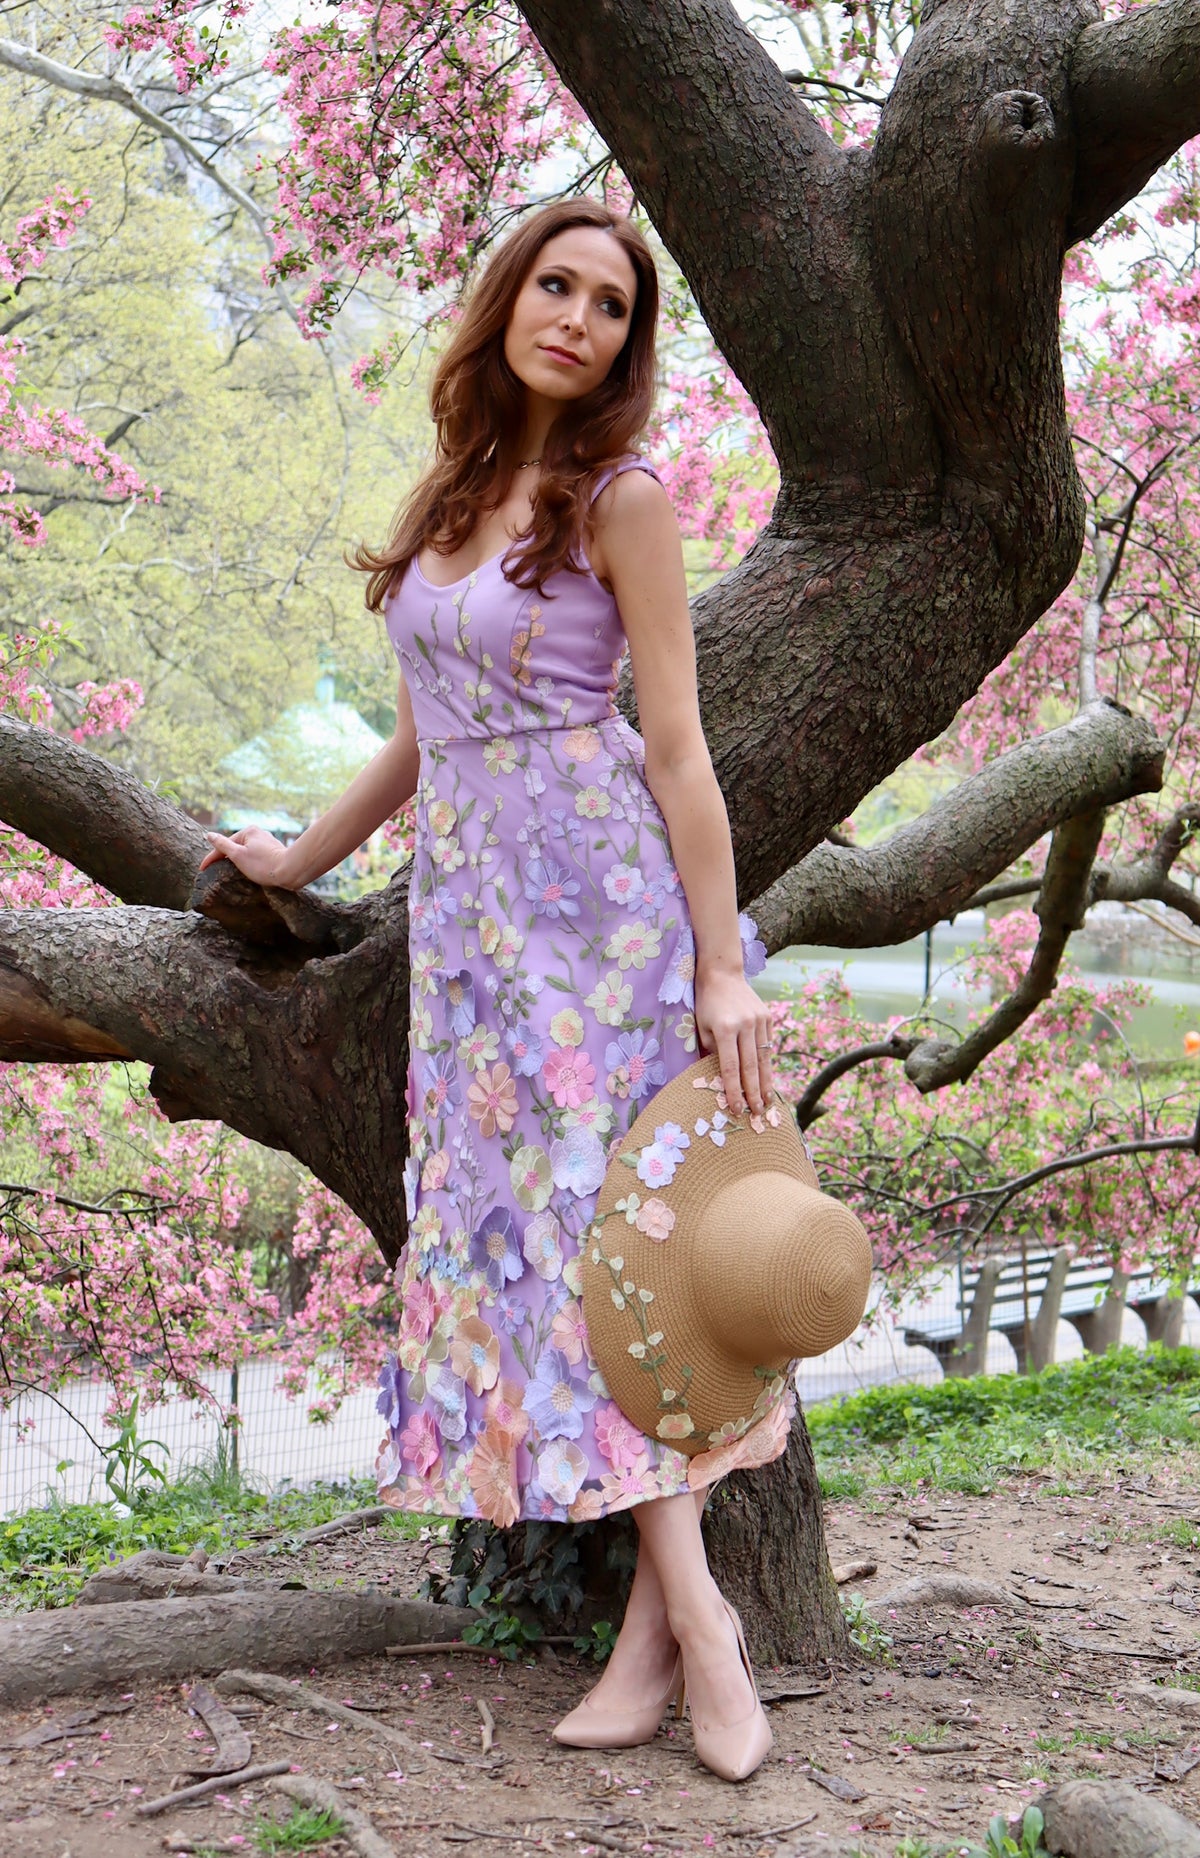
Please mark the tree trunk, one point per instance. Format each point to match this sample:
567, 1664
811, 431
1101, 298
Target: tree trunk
894, 313
766, 1547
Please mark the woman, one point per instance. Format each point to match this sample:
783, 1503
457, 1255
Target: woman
572, 893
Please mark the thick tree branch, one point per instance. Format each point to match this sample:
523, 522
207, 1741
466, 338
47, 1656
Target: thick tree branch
100, 819
267, 1040
1135, 97
872, 897
145, 850
728, 162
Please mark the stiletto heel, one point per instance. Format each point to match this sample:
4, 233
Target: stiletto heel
735, 1752
589, 1727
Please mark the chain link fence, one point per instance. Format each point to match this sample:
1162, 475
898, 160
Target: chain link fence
52, 1447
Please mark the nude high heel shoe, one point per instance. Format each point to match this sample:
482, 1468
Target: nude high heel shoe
590, 1727
735, 1752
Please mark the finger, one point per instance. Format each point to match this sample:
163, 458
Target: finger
729, 1059
748, 1055
766, 1073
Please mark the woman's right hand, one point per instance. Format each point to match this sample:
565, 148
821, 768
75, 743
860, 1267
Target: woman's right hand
256, 852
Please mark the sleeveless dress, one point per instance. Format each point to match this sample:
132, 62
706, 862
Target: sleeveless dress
551, 995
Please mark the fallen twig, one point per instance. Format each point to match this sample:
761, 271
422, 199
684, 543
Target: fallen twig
323, 1532
771, 1832
488, 1731
301, 1697
786, 1694
1157, 1656
356, 1828
215, 1784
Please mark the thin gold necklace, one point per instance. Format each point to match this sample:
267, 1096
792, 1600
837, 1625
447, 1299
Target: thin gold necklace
523, 464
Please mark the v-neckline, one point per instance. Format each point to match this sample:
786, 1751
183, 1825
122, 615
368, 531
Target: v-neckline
441, 587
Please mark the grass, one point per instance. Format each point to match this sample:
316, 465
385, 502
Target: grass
46, 1554
308, 1826
964, 1435
1180, 1532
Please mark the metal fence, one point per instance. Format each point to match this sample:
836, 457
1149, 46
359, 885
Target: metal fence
52, 1448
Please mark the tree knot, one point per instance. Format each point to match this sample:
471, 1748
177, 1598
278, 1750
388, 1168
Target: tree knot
1020, 120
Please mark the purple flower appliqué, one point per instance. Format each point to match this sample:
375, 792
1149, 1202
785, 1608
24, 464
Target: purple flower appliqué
678, 982
524, 1048
388, 1403
494, 1249
754, 952
439, 1082
659, 1159
541, 1507
555, 1403
449, 1396
509, 1313
458, 991
653, 900
551, 889
637, 1055
443, 904
421, 918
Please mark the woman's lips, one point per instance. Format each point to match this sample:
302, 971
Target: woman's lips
563, 354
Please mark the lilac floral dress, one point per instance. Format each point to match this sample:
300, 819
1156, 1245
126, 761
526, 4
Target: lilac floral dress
551, 995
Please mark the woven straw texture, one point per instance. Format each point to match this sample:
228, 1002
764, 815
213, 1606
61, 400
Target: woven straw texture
714, 1264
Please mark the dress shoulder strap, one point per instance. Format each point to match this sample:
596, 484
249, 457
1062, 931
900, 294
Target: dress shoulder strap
635, 462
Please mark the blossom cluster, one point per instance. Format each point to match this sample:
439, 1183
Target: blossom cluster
57, 437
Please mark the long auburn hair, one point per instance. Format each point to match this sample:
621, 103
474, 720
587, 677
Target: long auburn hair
478, 410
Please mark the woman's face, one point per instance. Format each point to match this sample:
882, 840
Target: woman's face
571, 316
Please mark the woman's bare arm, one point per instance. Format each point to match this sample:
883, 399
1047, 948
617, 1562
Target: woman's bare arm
637, 547
377, 792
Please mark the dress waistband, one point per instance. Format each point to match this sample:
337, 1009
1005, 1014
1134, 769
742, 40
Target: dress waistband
539, 729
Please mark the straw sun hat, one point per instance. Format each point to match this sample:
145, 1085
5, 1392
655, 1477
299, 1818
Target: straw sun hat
713, 1261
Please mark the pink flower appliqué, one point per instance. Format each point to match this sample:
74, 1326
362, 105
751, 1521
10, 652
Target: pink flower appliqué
656, 1219
420, 1443
617, 1437
569, 1076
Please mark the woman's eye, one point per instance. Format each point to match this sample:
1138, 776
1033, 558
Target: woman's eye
612, 307
553, 283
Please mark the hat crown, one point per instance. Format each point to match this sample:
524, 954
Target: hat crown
779, 1269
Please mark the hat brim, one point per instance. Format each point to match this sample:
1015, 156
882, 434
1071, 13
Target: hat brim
648, 1328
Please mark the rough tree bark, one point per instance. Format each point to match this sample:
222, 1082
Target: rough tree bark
893, 312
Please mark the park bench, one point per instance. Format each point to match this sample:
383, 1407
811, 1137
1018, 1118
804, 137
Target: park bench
998, 1292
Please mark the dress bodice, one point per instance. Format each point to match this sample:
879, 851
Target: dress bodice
482, 657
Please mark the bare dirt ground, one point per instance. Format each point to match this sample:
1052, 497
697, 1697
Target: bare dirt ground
967, 1712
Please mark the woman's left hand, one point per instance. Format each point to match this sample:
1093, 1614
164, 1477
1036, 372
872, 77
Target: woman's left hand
732, 1021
